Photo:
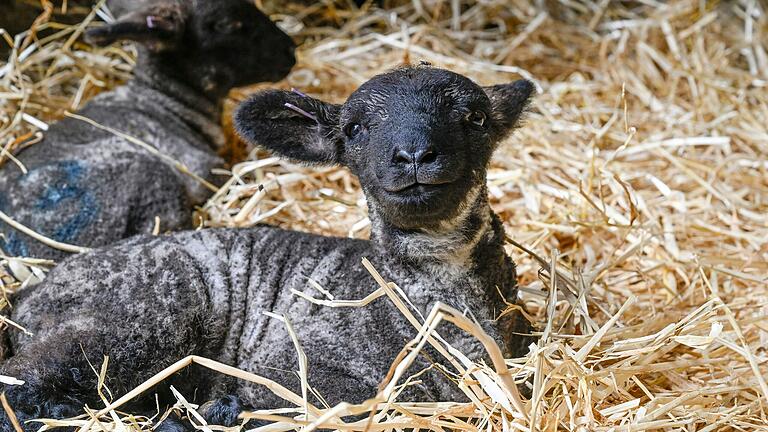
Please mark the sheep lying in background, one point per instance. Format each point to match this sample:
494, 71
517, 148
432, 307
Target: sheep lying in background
420, 140
89, 187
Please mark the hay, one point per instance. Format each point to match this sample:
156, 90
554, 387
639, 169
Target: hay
640, 174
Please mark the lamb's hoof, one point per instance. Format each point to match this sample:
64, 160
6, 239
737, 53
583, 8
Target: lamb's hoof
45, 411
221, 412
61, 411
172, 425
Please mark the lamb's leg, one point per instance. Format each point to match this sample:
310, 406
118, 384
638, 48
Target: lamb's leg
219, 412
141, 332
60, 381
222, 411
52, 388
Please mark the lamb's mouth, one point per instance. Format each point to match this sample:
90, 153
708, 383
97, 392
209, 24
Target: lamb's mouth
417, 188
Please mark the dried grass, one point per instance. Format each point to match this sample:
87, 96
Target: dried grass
641, 175
48, 72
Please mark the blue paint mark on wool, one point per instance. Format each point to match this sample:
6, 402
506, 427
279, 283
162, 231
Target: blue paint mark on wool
69, 187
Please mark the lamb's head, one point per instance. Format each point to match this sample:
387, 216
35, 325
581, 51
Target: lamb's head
419, 139
210, 45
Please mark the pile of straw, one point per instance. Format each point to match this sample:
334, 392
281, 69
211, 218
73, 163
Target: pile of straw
635, 198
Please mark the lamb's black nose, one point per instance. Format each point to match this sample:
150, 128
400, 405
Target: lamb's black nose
420, 157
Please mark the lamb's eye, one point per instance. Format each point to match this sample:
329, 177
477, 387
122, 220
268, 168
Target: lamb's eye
228, 26
477, 118
354, 129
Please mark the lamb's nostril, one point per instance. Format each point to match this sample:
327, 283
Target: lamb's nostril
426, 157
403, 156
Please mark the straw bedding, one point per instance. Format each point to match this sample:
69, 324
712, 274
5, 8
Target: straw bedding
635, 198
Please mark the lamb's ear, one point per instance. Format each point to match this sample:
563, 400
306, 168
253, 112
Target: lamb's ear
159, 25
509, 101
292, 125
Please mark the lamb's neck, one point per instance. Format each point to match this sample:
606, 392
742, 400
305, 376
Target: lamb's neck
192, 107
470, 246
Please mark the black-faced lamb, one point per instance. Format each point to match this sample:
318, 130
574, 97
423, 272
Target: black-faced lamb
420, 140
89, 187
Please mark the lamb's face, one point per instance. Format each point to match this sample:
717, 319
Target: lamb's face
419, 139
234, 43
211, 45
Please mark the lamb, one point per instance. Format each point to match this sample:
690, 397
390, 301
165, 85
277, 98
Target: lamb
88, 187
420, 140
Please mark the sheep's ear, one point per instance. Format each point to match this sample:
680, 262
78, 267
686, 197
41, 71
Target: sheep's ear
508, 102
159, 25
292, 125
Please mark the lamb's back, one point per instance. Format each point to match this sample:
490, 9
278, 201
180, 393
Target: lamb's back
139, 112
90, 187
